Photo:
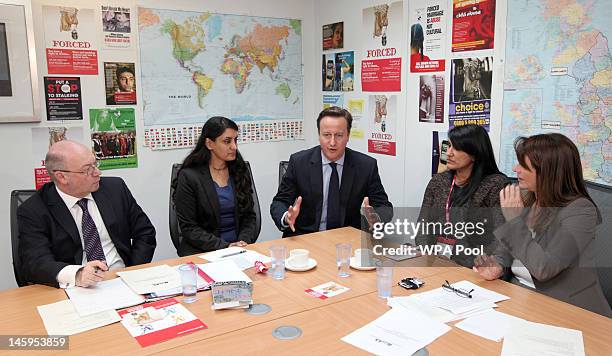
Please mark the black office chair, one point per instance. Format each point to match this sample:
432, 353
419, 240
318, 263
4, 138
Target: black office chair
282, 169
175, 230
17, 198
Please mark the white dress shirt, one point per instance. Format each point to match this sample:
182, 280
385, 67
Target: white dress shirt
67, 276
521, 272
326, 171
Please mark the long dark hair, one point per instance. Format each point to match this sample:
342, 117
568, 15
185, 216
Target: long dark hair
417, 37
558, 169
200, 157
473, 140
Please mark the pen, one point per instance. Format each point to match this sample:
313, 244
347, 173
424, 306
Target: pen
233, 254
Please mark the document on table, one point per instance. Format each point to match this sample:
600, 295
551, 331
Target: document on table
222, 271
244, 260
414, 305
152, 279
528, 338
457, 304
491, 325
396, 332
61, 318
105, 295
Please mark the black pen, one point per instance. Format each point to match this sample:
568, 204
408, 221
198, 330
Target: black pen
233, 254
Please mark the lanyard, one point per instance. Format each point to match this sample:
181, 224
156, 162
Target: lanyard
448, 199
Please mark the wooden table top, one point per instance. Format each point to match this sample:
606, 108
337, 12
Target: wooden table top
323, 322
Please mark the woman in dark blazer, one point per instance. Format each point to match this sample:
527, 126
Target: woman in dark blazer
214, 205
467, 193
549, 246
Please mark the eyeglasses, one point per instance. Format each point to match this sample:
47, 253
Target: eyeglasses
460, 292
91, 168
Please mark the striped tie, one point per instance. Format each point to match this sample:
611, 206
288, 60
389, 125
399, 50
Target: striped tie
93, 246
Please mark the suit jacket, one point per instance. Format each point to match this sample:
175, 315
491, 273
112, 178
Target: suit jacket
197, 211
561, 260
49, 239
304, 177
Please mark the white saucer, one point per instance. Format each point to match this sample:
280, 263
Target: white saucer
356, 264
312, 263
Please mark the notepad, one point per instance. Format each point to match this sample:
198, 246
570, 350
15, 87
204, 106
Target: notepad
105, 295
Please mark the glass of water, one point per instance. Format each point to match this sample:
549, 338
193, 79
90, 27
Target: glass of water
384, 279
189, 281
278, 254
343, 259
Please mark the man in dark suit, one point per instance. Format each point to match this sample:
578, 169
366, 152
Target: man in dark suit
326, 186
80, 225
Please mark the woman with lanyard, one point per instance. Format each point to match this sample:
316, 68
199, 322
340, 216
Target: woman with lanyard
547, 242
465, 195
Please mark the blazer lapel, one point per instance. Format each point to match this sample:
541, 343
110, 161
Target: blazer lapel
109, 217
316, 182
346, 183
211, 192
62, 215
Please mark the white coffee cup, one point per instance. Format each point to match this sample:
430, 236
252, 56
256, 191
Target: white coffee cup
299, 257
363, 257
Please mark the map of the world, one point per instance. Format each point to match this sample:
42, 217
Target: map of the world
196, 65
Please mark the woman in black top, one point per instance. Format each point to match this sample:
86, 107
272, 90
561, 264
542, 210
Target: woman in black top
214, 205
465, 195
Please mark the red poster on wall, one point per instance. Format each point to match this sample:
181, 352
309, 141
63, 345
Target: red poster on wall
473, 25
70, 40
381, 74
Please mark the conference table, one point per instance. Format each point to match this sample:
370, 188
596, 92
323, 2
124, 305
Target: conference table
323, 322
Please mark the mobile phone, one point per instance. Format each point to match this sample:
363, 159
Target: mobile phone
411, 283
443, 149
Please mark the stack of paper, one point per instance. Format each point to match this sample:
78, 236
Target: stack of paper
397, 332
526, 338
61, 318
243, 258
151, 280
481, 298
414, 305
106, 295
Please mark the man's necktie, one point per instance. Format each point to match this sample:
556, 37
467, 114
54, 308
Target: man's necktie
93, 246
333, 199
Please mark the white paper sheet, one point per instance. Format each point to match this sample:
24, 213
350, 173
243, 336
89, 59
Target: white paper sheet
243, 260
224, 271
414, 305
456, 304
106, 295
396, 332
491, 325
525, 338
152, 279
61, 318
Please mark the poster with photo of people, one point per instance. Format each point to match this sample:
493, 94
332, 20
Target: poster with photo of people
431, 98
113, 137
116, 27
338, 71
120, 83
470, 92
427, 35
333, 36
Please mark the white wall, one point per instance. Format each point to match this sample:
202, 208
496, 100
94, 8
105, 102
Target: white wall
149, 183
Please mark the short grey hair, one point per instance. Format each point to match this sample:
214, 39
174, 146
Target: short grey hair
54, 161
